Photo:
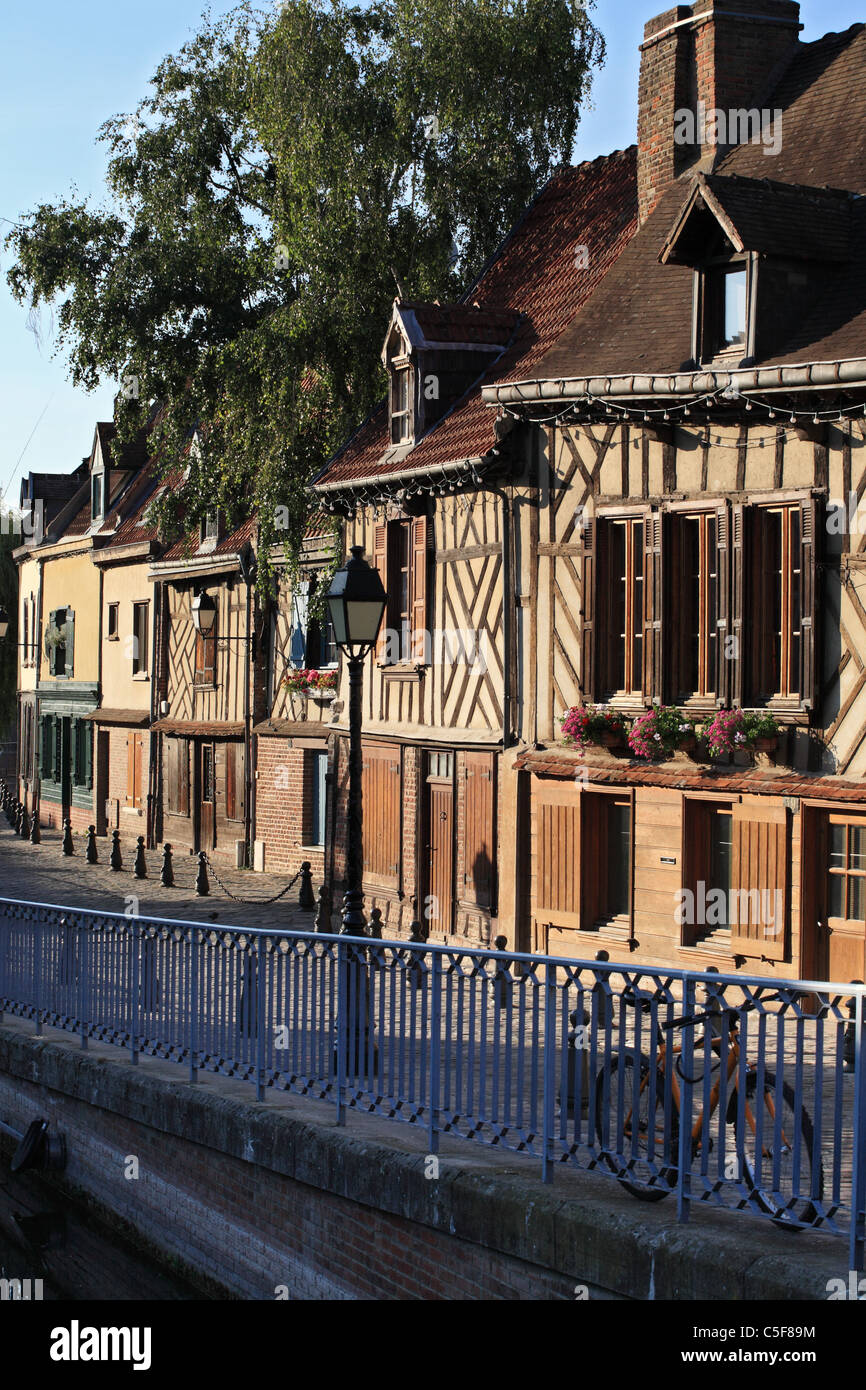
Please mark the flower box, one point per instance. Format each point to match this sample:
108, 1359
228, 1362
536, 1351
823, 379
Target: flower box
315, 685
585, 724
660, 733
742, 731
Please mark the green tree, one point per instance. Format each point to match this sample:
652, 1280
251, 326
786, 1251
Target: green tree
284, 174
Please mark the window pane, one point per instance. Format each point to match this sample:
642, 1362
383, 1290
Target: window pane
855, 898
735, 307
835, 905
837, 846
618, 859
856, 847
616, 674
637, 607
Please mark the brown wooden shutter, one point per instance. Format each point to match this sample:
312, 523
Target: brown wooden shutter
808, 601
592, 532
130, 770
556, 861
380, 562
419, 587
183, 776
723, 603
759, 881
137, 747
737, 561
653, 599
234, 781
381, 814
479, 847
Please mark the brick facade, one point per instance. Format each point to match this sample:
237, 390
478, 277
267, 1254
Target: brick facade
284, 797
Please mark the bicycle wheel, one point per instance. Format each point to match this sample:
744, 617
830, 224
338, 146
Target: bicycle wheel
786, 1150
638, 1150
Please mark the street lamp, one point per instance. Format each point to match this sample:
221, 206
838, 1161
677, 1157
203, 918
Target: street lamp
356, 600
204, 613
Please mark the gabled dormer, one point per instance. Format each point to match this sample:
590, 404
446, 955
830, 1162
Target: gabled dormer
433, 353
762, 254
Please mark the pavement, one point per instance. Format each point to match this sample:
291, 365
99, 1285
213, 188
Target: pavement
43, 874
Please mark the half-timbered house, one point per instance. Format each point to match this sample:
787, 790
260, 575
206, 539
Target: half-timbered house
693, 534
427, 486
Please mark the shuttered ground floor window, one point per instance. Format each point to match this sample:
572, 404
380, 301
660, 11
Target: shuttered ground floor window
382, 819
65, 758
581, 863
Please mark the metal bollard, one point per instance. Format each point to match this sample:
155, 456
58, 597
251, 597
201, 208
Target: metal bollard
91, 854
501, 983
19, 812
323, 910
35, 837
116, 859
68, 846
578, 1034
140, 866
202, 887
305, 896
376, 923
166, 878
25, 823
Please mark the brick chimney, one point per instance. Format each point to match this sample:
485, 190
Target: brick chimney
722, 53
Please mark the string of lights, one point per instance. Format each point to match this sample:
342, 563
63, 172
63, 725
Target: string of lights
576, 411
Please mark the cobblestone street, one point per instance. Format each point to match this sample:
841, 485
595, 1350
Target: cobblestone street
42, 873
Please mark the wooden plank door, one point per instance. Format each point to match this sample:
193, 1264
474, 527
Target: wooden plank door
439, 897
103, 759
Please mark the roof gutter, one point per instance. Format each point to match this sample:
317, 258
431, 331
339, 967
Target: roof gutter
404, 474
810, 376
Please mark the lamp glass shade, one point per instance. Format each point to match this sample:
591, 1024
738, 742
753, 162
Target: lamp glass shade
203, 614
4, 623
356, 601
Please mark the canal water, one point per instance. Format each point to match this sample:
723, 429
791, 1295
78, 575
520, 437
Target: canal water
44, 1236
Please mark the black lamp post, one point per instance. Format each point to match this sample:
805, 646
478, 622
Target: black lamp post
203, 614
356, 600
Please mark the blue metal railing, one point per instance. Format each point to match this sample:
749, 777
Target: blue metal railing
739, 1092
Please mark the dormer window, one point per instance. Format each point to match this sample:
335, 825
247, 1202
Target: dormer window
209, 531
97, 497
724, 319
401, 403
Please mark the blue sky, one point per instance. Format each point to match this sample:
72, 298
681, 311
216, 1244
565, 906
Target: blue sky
65, 68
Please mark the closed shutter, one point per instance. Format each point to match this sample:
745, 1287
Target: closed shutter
137, 740
183, 776
808, 615
556, 860
70, 642
653, 589
88, 732
234, 781
76, 759
479, 848
736, 657
723, 603
380, 562
759, 881
57, 725
588, 675
130, 769
381, 814
420, 646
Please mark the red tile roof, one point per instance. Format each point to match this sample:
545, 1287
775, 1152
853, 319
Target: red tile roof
536, 273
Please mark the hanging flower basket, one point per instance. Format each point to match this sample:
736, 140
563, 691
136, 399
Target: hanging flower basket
586, 724
660, 732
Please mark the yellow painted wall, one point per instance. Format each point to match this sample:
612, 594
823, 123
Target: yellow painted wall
125, 585
71, 580
28, 584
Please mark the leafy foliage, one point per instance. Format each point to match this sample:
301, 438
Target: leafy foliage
10, 538
279, 177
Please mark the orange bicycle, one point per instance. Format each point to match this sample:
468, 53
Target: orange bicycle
638, 1106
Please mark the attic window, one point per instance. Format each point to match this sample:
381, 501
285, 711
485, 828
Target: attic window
723, 321
401, 404
210, 528
97, 500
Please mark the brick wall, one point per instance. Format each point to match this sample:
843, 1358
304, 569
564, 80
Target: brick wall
284, 808
51, 816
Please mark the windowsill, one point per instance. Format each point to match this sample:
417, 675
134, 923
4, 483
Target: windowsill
111, 638
402, 670
131, 810
204, 685
715, 942
141, 676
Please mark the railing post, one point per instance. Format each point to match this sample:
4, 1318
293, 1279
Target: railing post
261, 973
38, 935
194, 967
342, 1029
435, 1051
135, 981
858, 1154
687, 1070
549, 1072
84, 986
